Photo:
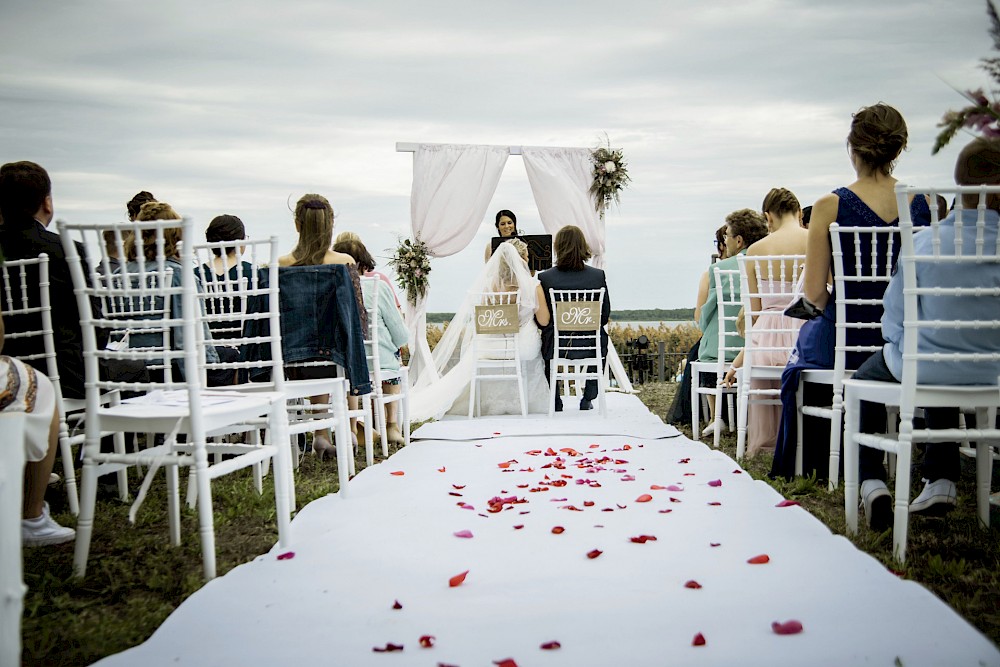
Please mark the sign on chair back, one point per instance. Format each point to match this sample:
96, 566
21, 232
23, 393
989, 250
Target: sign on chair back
950, 323
577, 353
496, 353
149, 305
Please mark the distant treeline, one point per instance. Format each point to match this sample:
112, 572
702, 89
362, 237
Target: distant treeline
648, 315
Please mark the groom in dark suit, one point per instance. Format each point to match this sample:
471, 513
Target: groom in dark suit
570, 272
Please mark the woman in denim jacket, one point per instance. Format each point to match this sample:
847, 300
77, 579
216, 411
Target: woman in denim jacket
314, 223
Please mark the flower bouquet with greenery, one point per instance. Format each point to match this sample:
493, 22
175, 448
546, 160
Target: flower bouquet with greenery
610, 176
982, 115
412, 265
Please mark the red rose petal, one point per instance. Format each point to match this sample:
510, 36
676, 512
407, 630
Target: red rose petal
715, 503
620, 506
699, 640
389, 648
396, 605
588, 503
548, 646
691, 583
463, 533
715, 482
458, 486
786, 628
715, 544
788, 503
674, 487
642, 539
594, 554
455, 493
759, 560
657, 487
737, 472
684, 461
441, 469
558, 530
644, 498
287, 555
666, 511
397, 473
506, 662
457, 579
426, 641
519, 526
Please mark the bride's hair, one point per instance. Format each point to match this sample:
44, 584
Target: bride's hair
505, 279
314, 215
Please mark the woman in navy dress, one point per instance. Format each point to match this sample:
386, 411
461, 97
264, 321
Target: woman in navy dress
878, 135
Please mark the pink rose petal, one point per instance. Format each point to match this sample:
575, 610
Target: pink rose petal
287, 555
715, 482
786, 628
463, 533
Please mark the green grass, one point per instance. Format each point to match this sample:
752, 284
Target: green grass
135, 579
953, 557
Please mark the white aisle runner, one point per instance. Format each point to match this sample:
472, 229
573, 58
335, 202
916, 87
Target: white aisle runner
579, 550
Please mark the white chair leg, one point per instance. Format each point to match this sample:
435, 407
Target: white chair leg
718, 410
851, 462
742, 415
892, 415
85, 522
173, 505
836, 429
69, 470
206, 520
284, 481
901, 518
798, 430
341, 441
119, 440
695, 404
984, 468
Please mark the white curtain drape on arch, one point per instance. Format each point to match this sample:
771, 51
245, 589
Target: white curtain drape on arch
560, 180
452, 186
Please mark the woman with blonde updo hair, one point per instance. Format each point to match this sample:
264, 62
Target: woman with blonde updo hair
877, 137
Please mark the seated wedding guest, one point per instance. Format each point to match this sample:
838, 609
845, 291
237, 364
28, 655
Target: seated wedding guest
978, 164
351, 236
314, 220
743, 228
680, 409
27, 210
392, 330
806, 216
570, 272
23, 389
229, 266
506, 224
786, 237
171, 240
110, 244
877, 137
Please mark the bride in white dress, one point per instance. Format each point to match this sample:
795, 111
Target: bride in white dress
506, 271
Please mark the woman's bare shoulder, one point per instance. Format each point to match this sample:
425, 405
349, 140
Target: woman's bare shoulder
286, 260
334, 257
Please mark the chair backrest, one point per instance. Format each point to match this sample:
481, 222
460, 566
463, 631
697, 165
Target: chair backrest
148, 306
951, 292
768, 284
27, 312
496, 326
240, 308
369, 292
727, 289
863, 262
576, 322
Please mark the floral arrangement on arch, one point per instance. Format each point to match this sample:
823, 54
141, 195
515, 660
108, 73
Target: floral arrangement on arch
412, 265
982, 115
610, 176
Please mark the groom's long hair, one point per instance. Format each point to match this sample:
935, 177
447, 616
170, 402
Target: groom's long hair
571, 249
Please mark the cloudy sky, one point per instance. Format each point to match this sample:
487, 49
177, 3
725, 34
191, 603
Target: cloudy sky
237, 107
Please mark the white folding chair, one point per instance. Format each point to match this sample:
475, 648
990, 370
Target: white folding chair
877, 268
766, 282
727, 283
143, 304
298, 278
969, 271
370, 288
12, 586
576, 356
495, 348
27, 313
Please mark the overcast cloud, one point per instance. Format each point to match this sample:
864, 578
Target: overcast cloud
235, 107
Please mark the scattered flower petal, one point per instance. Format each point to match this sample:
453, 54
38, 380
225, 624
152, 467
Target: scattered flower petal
463, 533
715, 544
506, 662
519, 526
397, 473
287, 555
674, 487
426, 641
715, 482
455, 493
457, 579
714, 503
642, 539
548, 646
458, 487
588, 503
666, 511
594, 553
396, 605
699, 640
786, 628
691, 583
558, 530
389, 648
737, 472
684, 461
442, 469
644, 498
657, 487
628, 478
788, 503
759, 560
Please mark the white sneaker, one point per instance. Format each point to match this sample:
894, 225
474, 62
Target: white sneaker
44, 531
710, 429
877, 503
995, 499
938, 497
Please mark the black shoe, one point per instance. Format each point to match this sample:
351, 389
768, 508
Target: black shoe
878, 505
586, 404
558, 404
